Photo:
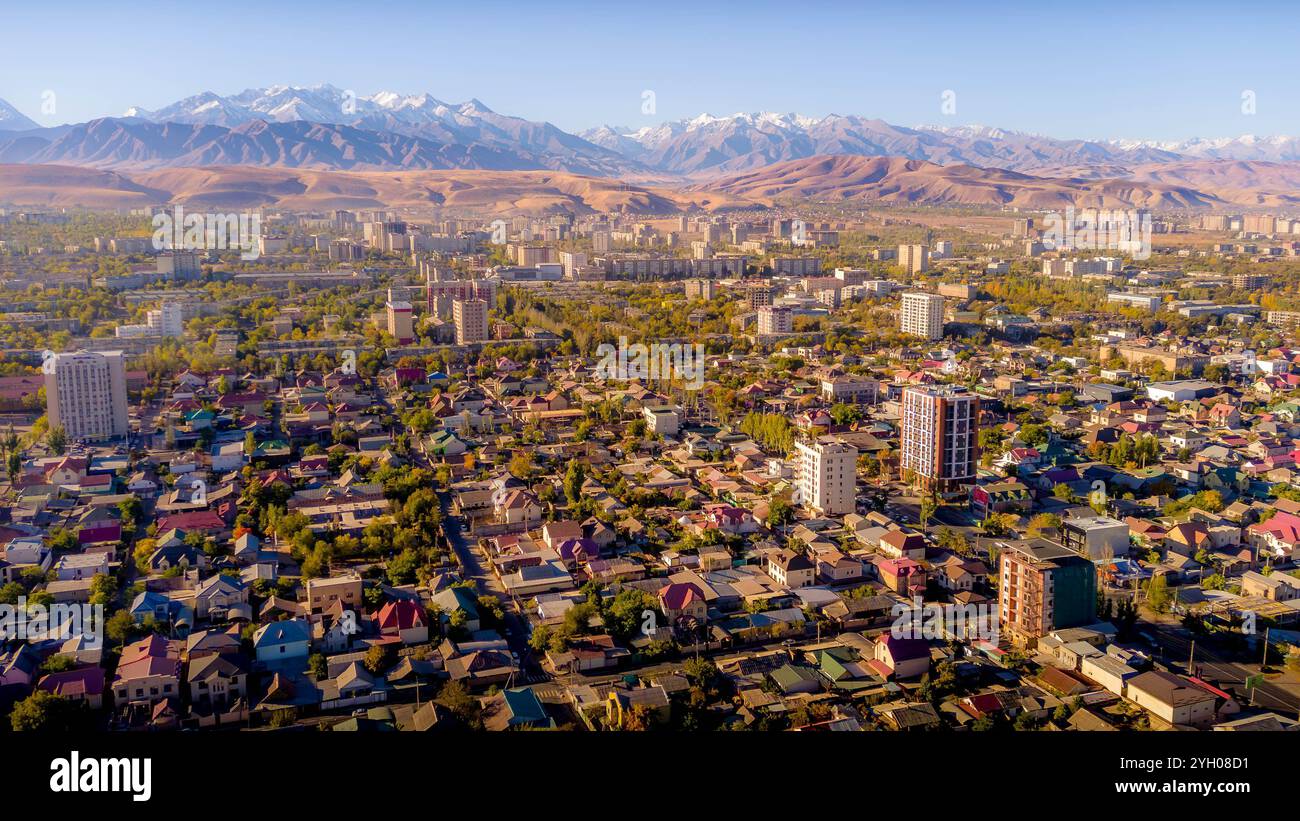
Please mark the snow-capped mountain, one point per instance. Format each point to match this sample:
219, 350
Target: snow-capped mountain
11, 119
327, 127
383, 130
1246, 147
316, 104
712, 145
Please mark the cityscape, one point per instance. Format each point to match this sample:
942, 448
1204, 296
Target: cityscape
326, 411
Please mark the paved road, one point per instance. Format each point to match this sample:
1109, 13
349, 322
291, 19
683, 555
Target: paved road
473, 567
1213, 667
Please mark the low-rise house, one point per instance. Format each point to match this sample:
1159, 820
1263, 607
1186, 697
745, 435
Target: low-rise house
899, 657
148, 671
791, 569
215, 597
85, 684
682, 600
217, 681
516, 708
1172, 698
282, 642
324, 592
1274, 587
403, 619
900, 544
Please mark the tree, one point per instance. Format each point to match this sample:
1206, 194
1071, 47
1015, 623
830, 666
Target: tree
1043, 523
457, 699
779, 512
998, 524
43, 712
1158, 594
120, 626
574, 478
929, 506
376, 659
318, 667
14, 466
103, 588
57, 439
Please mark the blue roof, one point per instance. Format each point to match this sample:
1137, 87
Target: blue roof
524, 706
281, 632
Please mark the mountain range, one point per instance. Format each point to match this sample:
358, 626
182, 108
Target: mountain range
752, 157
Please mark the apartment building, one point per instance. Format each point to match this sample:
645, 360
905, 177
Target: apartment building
758, 294
775, 319
470, 318
915, 259
401, 320
85, 392
938, 440
796, 266
921, 314
1044, 587
705, 289
827, 476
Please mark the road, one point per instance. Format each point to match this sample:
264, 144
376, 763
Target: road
473, 567
1176, 646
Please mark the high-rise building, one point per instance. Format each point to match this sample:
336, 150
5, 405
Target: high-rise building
181, 266
827, 476
775, 319
572, 261
705, 289
915, 259
1044, 587
166, 320
401, 316
85, 392
758, 293
470, 316
939, 436
921, 314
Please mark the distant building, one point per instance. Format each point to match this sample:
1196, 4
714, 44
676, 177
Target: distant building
775, 319
470, 317
85, 392
921, 314
915, 259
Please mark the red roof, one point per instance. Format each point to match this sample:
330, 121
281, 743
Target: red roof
193, 520
401, 615
680, 595
84, 681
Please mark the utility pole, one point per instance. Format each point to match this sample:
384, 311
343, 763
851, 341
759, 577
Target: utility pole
1191, 659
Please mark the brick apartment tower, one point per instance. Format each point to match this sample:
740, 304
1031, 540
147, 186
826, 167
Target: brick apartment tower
939, 437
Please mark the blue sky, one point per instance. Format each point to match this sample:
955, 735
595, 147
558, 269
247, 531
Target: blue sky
1090, 70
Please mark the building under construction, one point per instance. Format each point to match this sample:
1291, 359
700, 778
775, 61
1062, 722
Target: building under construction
1044, 587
